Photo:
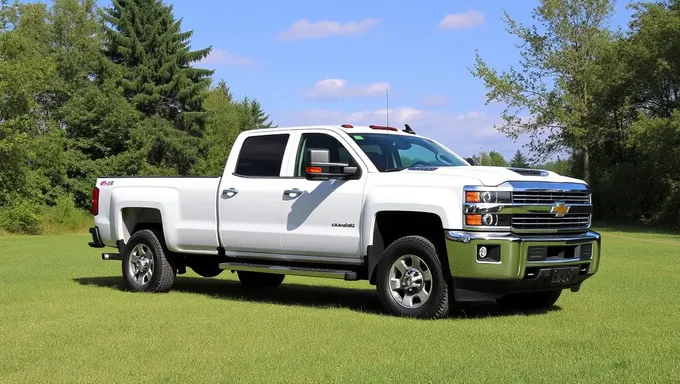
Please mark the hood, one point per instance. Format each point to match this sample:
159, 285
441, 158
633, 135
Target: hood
493, 176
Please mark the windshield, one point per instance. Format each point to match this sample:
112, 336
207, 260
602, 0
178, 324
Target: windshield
397, 152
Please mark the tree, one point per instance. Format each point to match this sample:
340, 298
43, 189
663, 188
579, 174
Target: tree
519, 160
497, 160
484, 159
227, 119
144, 40
259, 117
557, 77
558, 166
226, 91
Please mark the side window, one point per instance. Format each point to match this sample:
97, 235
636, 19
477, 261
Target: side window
262, 155
338, 152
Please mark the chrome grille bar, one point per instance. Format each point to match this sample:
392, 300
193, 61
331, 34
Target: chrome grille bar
548, 195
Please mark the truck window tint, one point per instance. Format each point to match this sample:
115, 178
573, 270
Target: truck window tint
262, 155
338, 152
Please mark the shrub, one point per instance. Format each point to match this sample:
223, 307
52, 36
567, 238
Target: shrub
65, 217
22, 216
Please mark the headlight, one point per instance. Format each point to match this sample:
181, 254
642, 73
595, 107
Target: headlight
481, 197
483, 208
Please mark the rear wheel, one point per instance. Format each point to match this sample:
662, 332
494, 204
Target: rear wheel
259, 279
529, 301
410, 279
147, 265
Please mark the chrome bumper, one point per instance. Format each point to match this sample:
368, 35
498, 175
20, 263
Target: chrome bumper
511, 252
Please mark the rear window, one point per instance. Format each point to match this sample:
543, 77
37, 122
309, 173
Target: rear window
262, 155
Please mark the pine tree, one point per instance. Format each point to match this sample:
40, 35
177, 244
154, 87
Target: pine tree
225, 90
145, 42
519, 160
260, 118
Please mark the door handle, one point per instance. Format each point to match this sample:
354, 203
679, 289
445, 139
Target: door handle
294, 193
229, 193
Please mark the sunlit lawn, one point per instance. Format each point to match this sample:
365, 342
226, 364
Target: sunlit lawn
64, 319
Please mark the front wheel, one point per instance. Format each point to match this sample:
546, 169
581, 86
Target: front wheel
147, 264
410, 279
529, 301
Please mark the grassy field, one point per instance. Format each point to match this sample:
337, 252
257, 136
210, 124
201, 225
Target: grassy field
64, 319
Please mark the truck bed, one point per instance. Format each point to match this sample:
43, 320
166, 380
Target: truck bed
186, 205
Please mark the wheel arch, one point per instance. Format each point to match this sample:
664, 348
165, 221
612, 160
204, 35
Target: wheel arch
390, 225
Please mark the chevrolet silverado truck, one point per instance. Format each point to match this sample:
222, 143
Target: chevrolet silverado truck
372, 203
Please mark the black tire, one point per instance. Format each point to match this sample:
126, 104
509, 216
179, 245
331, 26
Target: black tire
206, 269
533, 301
259, 279
437, 303
164, 271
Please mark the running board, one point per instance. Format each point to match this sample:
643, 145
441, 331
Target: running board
285, 270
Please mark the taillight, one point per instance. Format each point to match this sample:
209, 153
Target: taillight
95, 201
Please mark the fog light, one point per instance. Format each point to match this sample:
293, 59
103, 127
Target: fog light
489, 253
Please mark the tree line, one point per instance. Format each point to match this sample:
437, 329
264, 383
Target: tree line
609, 98
88, 91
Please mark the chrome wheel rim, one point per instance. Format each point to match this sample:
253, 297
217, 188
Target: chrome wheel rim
141, 264
410, 281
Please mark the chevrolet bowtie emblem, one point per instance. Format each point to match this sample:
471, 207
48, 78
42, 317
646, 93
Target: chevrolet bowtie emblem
560, 209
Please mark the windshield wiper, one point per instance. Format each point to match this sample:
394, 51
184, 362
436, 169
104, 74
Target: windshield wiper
394, 169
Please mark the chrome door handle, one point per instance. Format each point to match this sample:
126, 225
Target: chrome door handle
293, 192
229, 193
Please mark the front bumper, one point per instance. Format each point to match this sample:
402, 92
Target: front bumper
519, 263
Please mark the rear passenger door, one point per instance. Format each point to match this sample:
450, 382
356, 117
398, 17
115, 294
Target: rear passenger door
250, 197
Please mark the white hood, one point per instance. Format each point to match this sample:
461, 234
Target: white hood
493, 176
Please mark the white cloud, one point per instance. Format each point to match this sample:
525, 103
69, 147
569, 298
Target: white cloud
434, 100
466, 134
220, 57
465, 20
334, 89
303, 29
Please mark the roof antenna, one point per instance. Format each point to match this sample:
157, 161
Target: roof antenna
408, 129
387, 110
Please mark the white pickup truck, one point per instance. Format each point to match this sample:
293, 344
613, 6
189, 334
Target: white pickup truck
356, 203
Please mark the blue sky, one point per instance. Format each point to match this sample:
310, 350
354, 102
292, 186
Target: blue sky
321, 62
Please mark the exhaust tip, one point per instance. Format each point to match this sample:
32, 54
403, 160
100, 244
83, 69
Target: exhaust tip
111, 256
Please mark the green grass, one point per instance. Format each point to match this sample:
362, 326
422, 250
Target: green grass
64, 319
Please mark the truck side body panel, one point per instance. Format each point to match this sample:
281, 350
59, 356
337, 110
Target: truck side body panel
186, 208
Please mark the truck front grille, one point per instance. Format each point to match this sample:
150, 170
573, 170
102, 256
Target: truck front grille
568, 197
538, 208
548, 221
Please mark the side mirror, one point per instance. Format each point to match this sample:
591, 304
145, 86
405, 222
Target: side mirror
319, 167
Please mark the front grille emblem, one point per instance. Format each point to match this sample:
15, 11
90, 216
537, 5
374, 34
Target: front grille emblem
560, 209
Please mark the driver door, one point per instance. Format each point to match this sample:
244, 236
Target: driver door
323, 218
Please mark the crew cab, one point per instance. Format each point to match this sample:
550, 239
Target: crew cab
373, 203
